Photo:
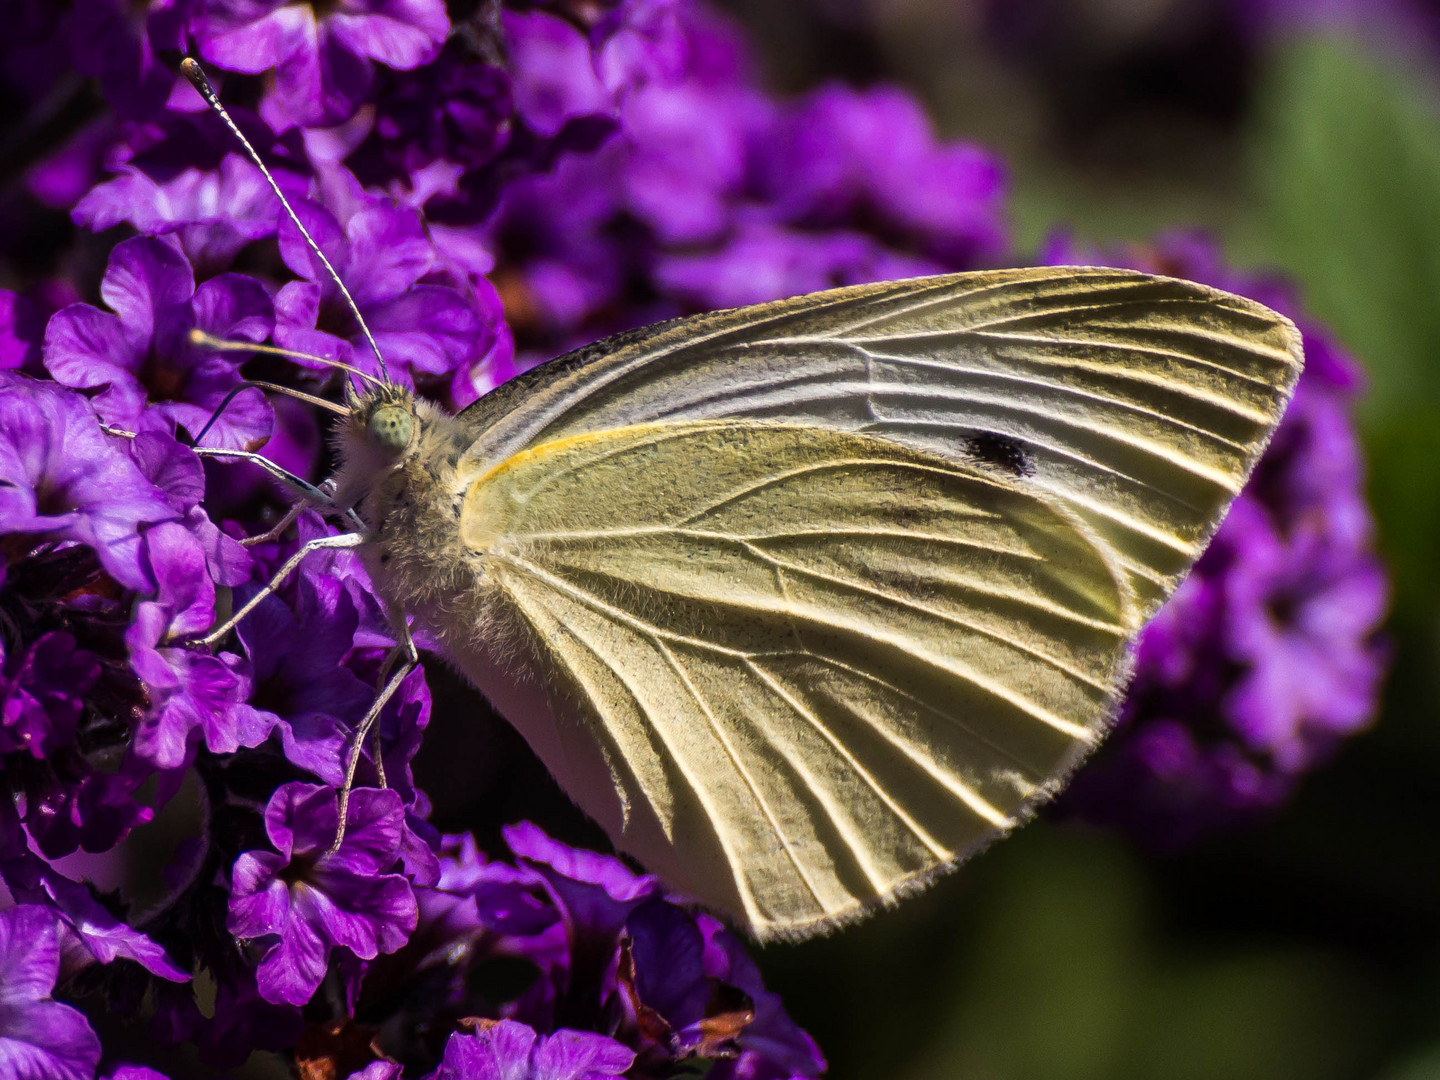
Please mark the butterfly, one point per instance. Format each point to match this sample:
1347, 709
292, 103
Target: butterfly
807, 602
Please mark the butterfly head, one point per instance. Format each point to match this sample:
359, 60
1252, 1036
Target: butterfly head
383, 422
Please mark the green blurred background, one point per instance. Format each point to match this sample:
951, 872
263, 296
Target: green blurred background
1306, 945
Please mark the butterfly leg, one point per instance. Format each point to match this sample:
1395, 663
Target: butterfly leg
278, 529
405, 648
357, 740
285, 476
344, 540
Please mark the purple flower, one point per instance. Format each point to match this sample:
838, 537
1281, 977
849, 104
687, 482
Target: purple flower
506, 1050
713, 194
306, 900
187, 559
322, 61
141, 359
241, 1021
194, 696
1301, 614
44, 694
771, 1044
844, 155
456, 110
215, 212
300, 679
595, 895
761, 261
382, 253
40, 1039
62, 478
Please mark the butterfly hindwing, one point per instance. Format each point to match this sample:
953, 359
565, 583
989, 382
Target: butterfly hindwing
806, 667
1138, 402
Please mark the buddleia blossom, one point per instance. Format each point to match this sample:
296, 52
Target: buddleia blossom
1270, 653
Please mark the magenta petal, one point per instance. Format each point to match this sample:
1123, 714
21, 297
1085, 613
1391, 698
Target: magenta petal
430, 328
554, 79
402, 34
294, 966
373, 829
144, 278
581, 1055
259, 901
86, 347
40, 1039
233, 37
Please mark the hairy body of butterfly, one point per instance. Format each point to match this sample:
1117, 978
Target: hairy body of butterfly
808, 601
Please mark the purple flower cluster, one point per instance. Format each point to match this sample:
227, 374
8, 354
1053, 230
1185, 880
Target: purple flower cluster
1270, 654
491, 190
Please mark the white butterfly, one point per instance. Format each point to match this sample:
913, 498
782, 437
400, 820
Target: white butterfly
807, 602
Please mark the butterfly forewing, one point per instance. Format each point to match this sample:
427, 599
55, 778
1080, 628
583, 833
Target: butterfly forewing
814, 665
1138, 402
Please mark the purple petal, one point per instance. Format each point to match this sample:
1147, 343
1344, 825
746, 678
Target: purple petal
300, 817
259, 901
373, 828
499, 1052
40, 1039
21, 330
234, 307
177, 564
388, 253
554, 79
144, 278
581, 1055
292, 968
104, 936
240, 35
29, 955
320, 223
430, 328
86, 347
171, 467
400, 33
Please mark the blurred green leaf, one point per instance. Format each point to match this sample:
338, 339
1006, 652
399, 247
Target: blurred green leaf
1348, 164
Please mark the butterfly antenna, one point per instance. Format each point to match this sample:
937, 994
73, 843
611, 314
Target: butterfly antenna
210, 341
192, 70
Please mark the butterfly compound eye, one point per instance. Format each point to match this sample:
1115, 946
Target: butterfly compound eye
390, 427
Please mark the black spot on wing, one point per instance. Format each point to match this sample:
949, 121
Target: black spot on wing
996, 451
